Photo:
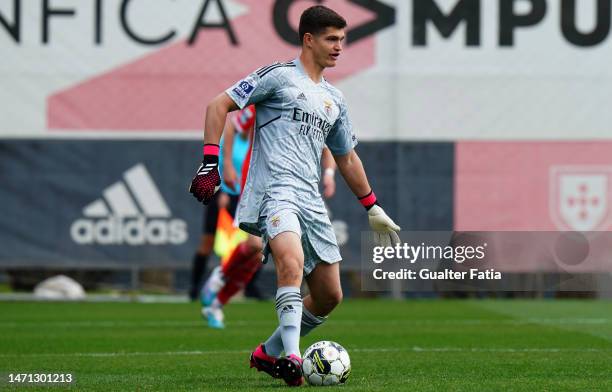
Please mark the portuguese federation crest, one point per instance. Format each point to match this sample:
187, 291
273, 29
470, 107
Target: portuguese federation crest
580, 197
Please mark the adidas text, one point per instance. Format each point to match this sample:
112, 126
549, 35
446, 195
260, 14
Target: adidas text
134, 231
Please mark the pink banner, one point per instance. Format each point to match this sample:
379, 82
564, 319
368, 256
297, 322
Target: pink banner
169, 89
533, 186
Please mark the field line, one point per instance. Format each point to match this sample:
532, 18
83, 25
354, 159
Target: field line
414, 349
191, 323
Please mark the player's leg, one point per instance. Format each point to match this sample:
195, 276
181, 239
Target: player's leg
244, 262
282, 232
246, 250
241, 267
261, 358
207, 240
251, 289
289, 261
323, 279
288, 257
213, 284
325, 294
211, 306
227, 280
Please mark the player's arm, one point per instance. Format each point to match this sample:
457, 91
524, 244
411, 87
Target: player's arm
351, 168
328, 165
341, 142
252, 89
207, 180
216, 115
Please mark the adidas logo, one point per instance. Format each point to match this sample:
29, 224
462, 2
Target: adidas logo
301, 97
131, 212
287, 309
205, 169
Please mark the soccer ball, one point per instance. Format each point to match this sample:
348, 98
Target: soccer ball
326, 363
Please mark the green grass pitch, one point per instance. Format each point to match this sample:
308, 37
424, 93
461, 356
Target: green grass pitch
425, 345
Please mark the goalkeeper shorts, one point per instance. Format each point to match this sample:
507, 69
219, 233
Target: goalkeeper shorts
314, 228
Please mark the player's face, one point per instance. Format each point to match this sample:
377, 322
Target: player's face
327, 46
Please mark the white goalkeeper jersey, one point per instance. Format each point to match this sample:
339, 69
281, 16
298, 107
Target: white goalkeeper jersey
295, 119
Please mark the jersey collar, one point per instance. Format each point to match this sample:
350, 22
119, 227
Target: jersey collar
300, 68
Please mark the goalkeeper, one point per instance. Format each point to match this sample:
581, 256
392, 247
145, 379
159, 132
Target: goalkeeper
297, 113
245, 260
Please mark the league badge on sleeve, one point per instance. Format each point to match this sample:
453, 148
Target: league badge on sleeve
246, 86
239, 92
243, 89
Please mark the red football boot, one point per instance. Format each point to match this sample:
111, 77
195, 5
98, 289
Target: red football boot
289, 369
262, 361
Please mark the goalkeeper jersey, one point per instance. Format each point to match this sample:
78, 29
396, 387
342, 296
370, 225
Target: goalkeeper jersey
295, 119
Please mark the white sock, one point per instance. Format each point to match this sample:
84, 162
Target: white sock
289, 311
216, 280
274, 344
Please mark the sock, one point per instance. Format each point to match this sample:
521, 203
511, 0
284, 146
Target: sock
210, 291
197, 270
289, 311
274, 344
228, 290
310, 322
216, 304
242, 273
215, 281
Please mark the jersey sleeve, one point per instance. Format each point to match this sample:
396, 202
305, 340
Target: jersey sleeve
253, 89
341, 139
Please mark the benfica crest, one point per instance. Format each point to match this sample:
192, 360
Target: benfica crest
580, 197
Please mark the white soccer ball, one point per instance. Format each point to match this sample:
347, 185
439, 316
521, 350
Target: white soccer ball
326, 363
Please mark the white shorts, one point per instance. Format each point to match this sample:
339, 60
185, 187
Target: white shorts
314, 228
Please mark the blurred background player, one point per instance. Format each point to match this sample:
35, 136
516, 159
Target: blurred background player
235, 147
239, 271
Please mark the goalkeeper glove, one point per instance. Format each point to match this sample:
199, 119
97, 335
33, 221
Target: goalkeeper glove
207, 180
385, 230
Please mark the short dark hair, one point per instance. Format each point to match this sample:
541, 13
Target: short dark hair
316, 19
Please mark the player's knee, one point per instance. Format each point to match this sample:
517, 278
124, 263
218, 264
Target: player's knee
334, 298
326, 302
292, 270
289, 270
289, 278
